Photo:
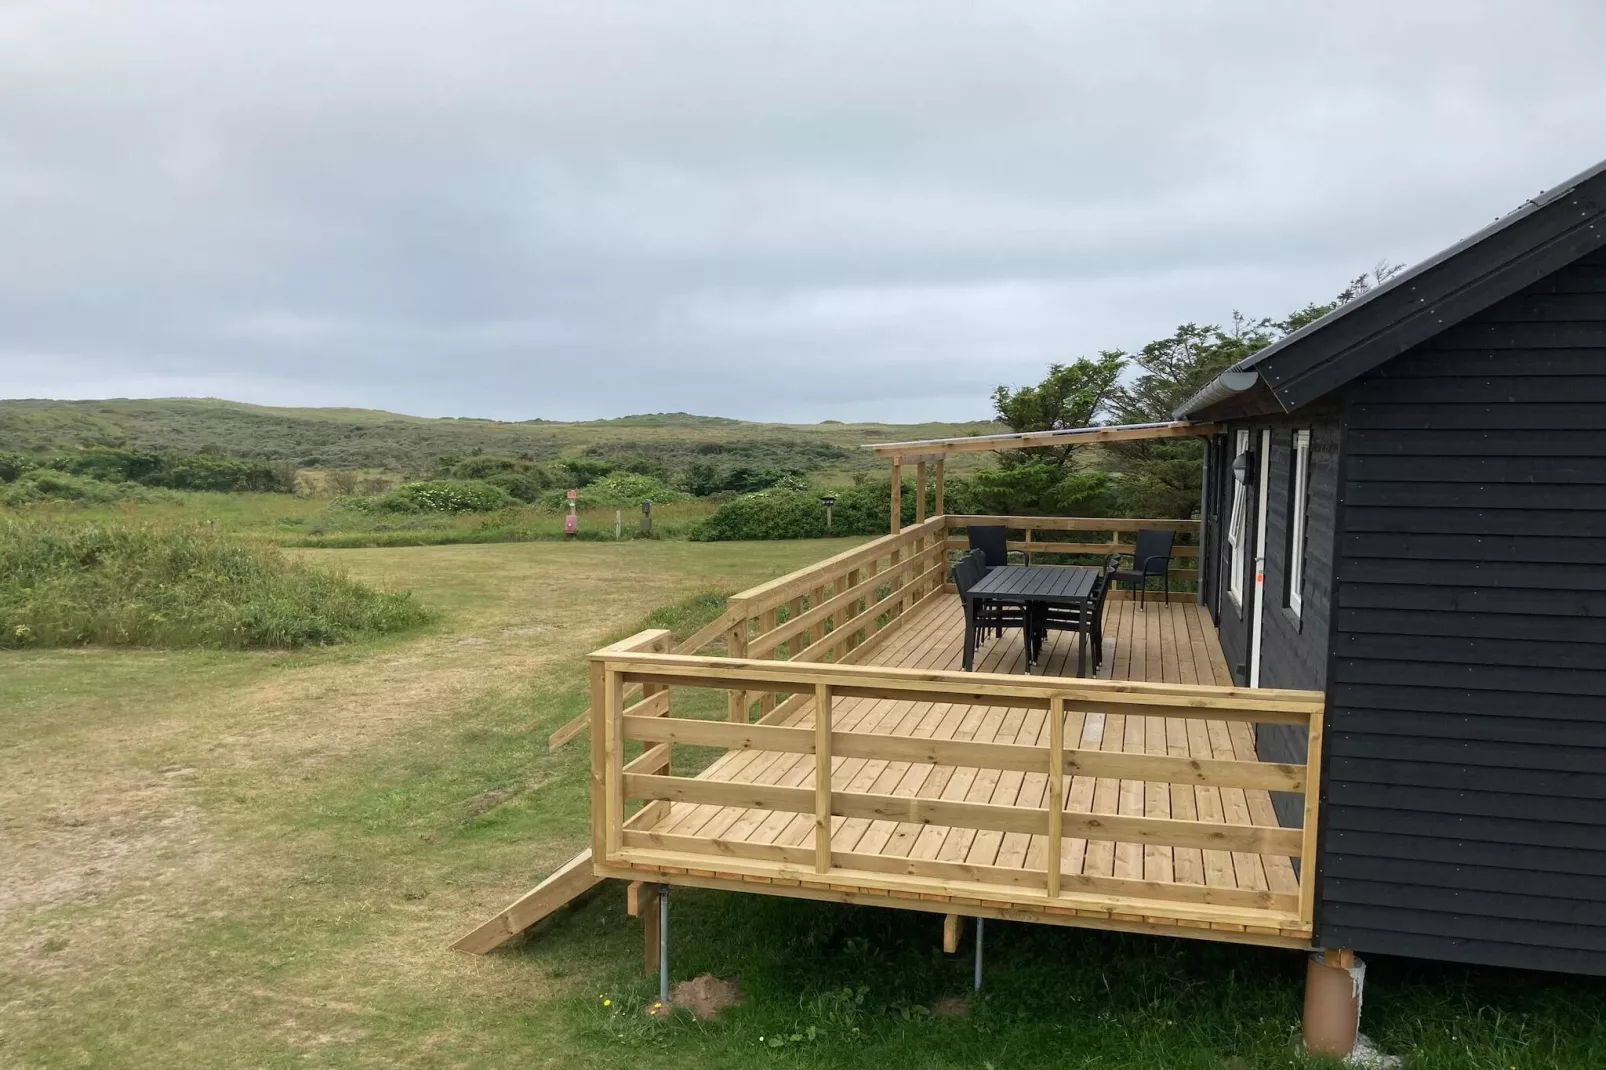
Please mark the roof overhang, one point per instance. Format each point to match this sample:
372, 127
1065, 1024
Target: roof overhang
936, 448
1542, 236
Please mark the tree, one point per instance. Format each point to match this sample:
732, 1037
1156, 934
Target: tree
1161, 477
1047, 479
1072, 395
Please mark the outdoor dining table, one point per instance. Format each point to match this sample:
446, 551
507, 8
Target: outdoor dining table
1037, 585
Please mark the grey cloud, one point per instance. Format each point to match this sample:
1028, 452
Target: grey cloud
778, 210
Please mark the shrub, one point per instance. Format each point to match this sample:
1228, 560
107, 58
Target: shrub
50, 485
617, 490
174, 471
13, 465
141, 585
767, 514
863, 509
438, 496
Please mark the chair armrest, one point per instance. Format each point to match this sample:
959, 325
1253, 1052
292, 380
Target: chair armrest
1147, 561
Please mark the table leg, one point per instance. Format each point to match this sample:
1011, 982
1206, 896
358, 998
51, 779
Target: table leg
1081, 642
970, 634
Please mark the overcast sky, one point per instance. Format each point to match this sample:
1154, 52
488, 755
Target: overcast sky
754, 209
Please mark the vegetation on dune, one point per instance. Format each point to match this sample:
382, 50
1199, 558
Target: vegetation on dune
782, 513
435, 496
143, 585
414, 446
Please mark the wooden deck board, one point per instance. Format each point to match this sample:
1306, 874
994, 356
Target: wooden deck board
1165, 642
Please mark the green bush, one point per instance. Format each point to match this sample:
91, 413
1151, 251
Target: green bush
173, 471
438, 496
863, 509
141, 585
13, 465
50, 485
617, 490
766, 514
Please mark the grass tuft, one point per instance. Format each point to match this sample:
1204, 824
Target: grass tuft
123, 584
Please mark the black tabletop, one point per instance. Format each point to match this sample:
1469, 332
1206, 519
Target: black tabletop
1038, 583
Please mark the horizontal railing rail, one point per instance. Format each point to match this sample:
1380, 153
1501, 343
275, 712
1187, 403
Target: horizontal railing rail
1040, 751
1032, 529
838, 610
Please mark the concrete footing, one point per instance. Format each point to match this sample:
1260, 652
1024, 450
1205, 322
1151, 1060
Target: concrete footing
1334, 980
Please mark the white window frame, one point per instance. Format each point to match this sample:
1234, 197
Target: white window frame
1296, 538
1237, 533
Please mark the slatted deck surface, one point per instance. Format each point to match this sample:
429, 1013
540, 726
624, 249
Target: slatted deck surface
1167, 642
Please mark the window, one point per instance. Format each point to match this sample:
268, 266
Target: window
1298, 493
1238, 525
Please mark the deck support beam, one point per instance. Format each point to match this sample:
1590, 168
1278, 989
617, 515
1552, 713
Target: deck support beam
953, 927
1333, 982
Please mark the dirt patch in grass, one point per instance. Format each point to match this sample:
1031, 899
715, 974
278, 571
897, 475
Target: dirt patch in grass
705, 996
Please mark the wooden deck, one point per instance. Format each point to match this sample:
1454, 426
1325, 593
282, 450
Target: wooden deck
1166, 643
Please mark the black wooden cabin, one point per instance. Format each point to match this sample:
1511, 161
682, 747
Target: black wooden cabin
1421, 477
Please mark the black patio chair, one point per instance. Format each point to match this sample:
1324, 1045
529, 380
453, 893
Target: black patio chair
981, 614
1069, 618
992, 540
1151, 557
1002, 613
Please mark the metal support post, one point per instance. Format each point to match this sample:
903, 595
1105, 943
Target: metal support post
663, 945
980, 925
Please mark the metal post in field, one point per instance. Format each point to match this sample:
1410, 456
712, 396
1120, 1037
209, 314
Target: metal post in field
646, 517
618, 523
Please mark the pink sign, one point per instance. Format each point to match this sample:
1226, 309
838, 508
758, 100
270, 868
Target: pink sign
572, 495
571, 524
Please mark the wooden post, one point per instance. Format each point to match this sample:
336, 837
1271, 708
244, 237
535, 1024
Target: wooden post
736, 647
822, 777
641, 900
662, 645
768, 622
953, 927
1308, 844
897, 495
599, 760
920, 492
613, 747
940, 510
1056, 790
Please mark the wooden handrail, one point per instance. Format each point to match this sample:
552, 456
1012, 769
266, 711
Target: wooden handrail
647, 778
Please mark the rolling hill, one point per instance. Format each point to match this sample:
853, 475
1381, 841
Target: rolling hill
374, 439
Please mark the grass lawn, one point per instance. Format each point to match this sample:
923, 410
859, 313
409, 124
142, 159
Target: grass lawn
289, 520
246, 859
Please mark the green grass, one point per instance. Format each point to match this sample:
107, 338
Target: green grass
128, 584
346, 813
311, 522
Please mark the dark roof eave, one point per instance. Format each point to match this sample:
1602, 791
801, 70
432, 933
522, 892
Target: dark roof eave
1541, 236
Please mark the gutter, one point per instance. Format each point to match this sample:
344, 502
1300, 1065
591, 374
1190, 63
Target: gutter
1229, 384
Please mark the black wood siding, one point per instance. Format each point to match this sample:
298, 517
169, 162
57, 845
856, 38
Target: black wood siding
1293, 650
1464, 814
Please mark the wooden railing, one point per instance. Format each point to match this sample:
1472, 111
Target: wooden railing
839, 610
1027, 536
1061, 702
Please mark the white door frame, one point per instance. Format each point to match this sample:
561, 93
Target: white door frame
1264, 479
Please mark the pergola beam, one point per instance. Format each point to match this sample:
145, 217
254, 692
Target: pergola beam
932, 448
